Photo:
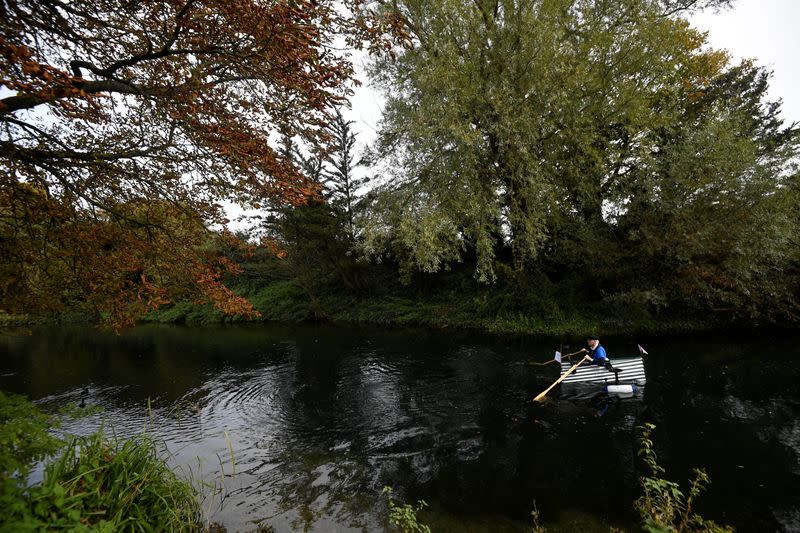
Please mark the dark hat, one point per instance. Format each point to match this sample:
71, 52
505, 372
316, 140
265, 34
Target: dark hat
592, 338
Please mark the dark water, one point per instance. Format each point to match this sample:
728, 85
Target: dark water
321, 419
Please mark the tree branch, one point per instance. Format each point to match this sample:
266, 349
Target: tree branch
11, 104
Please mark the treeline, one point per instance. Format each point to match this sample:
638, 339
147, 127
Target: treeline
540, 165
548, 166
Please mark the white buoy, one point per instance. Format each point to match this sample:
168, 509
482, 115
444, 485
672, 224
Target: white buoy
620, 389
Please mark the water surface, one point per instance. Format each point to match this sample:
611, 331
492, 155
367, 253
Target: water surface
320, 419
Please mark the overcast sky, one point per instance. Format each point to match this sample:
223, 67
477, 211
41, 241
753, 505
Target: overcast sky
764, 30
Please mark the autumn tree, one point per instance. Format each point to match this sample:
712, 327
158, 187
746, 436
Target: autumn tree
125, 124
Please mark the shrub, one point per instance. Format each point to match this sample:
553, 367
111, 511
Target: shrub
24, 436
404, 517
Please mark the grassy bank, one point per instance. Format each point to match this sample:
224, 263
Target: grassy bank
90, 484
482, 311
78, 314
15, 321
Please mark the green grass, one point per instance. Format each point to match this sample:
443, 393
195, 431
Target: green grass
90, 483
487, 311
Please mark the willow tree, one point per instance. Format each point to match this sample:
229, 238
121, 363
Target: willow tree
712, 221
535, 125
125, 124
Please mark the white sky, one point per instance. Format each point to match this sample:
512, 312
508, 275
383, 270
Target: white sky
767, 32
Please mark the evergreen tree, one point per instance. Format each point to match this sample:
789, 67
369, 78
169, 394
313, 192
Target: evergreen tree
341, 183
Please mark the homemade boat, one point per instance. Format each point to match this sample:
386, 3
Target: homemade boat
627, 376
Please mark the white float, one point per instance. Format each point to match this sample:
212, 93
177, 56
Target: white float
628, 388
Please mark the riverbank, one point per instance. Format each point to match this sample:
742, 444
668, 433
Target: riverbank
482, 311
90, 483
286, 304
489, 310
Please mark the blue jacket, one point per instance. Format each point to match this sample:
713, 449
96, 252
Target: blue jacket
598, 355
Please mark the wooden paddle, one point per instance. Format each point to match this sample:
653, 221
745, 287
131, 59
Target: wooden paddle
559, 380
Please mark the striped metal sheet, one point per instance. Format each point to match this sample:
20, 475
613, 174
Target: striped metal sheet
632, 372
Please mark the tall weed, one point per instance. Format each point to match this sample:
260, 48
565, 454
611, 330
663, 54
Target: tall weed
664, 508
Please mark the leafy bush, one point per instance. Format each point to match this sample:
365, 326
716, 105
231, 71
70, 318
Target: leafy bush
282, 300
23, 436
404, 517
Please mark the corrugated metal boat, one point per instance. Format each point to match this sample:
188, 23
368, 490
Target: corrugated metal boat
631, 372
624, 377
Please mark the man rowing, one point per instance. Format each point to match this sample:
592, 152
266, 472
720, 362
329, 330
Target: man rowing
596, 354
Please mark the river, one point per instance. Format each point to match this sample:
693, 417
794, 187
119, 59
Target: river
300, 427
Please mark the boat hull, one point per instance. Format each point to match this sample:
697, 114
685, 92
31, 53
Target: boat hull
632, 372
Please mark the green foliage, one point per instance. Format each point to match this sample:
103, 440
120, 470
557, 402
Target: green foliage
663, 507
106, 486
24, 436
282, 301
601, 146
404, 516
318, 248
92, 485
516, 123
714, 222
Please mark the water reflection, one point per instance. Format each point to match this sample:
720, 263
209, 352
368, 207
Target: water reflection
320, 419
